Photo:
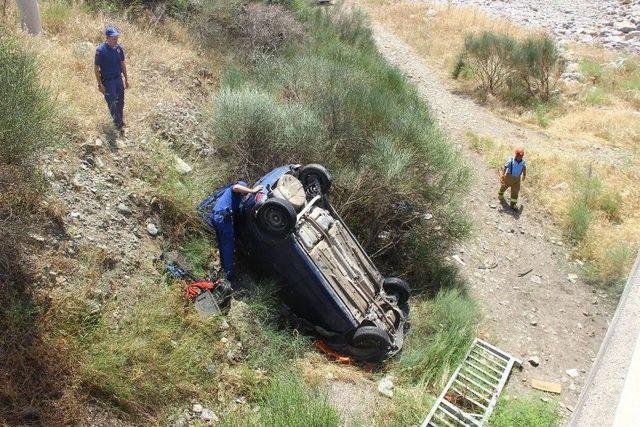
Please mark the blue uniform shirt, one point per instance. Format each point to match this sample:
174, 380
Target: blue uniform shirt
109, 60
229, 202
514, 167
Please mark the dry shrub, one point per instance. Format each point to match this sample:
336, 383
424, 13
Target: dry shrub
268, 28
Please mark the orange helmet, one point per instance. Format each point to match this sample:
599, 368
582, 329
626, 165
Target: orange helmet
519, 152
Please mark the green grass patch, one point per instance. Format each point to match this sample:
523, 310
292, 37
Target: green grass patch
529, 411
288, 401
442, 330
593, 70
542, 115
408, 407
597, 96
611, 271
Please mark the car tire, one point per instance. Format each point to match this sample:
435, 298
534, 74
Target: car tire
276, 217
312, 172
397, 287
371, 337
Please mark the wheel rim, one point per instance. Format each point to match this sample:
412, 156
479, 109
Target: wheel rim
275, 219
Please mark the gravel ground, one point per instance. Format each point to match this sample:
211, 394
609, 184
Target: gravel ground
614, 24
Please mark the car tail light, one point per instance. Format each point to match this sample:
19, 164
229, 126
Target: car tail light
259, 197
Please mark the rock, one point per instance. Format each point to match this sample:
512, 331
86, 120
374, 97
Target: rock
385, 387
152, 229
208, 415
572, 278
124, 209
572, 67
573, 373
197, 408
578, 77
182, 421
536, 279
625, 26
182, 166
632, 35
534, 360
427, 216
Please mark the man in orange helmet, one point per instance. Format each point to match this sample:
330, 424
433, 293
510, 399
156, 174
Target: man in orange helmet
514, 170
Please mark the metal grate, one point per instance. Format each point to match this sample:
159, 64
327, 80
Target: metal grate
473, 389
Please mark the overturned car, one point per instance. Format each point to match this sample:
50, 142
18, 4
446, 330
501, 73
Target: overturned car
328, 281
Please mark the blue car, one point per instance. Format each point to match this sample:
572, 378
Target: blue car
327, 280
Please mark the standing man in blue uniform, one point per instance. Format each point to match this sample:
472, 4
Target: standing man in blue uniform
224, 216
109, 67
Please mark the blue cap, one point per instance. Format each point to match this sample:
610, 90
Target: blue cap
111, 32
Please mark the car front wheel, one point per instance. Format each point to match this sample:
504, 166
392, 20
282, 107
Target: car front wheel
276, 217
314, 175
397, 288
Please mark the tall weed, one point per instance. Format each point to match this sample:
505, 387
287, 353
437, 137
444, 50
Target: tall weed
441, 331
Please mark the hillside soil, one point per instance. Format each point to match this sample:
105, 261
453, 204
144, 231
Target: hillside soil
517, 265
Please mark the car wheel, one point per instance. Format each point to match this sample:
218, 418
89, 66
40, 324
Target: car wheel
398, 288
276, 217
314, 173
371, 338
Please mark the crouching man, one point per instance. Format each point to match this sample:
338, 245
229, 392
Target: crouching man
224, 217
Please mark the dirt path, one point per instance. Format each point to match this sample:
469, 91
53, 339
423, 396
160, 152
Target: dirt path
542, 313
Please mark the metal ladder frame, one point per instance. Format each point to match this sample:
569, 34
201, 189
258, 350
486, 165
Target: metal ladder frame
459, 417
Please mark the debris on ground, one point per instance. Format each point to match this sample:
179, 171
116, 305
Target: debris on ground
331, 354
551, 387
208, 295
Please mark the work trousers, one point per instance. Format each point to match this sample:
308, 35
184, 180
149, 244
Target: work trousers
114, 95
512, 182
226, 241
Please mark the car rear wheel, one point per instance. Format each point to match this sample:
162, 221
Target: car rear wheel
276, 217
371, 342
398, 288
314, 174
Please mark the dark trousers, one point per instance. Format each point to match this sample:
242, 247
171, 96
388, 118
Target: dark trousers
226, 243
114, 95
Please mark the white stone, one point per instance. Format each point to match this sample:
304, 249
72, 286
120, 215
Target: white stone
197, 408
152, 229
385, 387
182, 166
573, 373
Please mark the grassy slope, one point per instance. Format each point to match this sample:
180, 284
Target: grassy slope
603, 112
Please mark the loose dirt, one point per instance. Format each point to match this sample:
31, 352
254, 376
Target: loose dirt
518, 268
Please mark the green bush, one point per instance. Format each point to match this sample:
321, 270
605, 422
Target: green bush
535, 62
26, 109
579, 218
516, 71
336, 101
488, 55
